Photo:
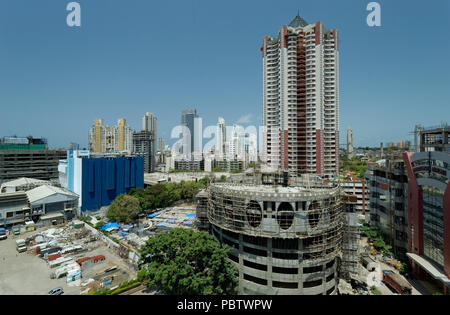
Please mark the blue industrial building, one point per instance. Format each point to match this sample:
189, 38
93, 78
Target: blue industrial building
99, 179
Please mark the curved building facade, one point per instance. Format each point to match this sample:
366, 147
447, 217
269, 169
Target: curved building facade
284, 240
429, 214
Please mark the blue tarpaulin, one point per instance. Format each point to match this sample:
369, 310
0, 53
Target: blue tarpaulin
190, 215
154, 215
189, 222
110, 225
162, 224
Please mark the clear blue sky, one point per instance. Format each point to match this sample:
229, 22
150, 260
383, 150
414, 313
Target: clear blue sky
134, 56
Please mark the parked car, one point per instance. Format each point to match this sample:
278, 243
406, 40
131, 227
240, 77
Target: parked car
56, 291
3, 235
21, 246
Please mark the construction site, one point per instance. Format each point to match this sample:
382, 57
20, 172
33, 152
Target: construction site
293, 236
73, 256
149, 225
285, 238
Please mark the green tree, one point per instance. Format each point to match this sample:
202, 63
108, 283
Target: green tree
184, 262
124, 208
165, 194
100, 224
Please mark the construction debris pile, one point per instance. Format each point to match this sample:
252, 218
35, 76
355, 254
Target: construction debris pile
152, 224
169, 218
65, 250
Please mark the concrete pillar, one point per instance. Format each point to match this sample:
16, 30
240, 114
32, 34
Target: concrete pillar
300, 266
269, 262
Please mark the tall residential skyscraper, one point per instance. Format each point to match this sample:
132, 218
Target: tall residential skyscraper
301, 99
123, 136
350, 154
149, 123
162, 144
121, 125
188, 118
110, 139
97, 136
221, 136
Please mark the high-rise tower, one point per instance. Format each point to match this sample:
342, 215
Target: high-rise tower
188, 119
301, 99
350, 154
97, 136
221, 136
103, 138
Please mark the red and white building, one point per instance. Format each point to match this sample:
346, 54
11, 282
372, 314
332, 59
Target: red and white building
301, 99
429, 216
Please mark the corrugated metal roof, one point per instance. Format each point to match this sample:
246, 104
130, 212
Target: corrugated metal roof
24, 181
46, 191
13, 196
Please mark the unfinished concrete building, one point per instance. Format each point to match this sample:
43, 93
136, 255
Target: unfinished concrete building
202, 222
388, 185
350, 238
28, 157
285, 239
31, 164
432, 138
144, 145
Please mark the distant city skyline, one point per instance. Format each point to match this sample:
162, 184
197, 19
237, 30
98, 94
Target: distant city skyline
125, 60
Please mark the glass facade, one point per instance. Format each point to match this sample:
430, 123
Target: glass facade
433, 224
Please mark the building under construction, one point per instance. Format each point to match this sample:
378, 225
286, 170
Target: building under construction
28, 157
144, 145
432, 138
388, 185
285, 238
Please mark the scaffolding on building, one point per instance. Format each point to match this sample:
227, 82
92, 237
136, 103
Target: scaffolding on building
313, 216
351, 237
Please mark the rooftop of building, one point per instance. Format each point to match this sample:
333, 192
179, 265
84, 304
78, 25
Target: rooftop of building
24, 181
438, 128
11, 196
22, 140
86, 154
44, 191
202, 194
273, 189
298, 22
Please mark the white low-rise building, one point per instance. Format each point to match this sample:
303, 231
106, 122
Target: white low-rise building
50, 200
